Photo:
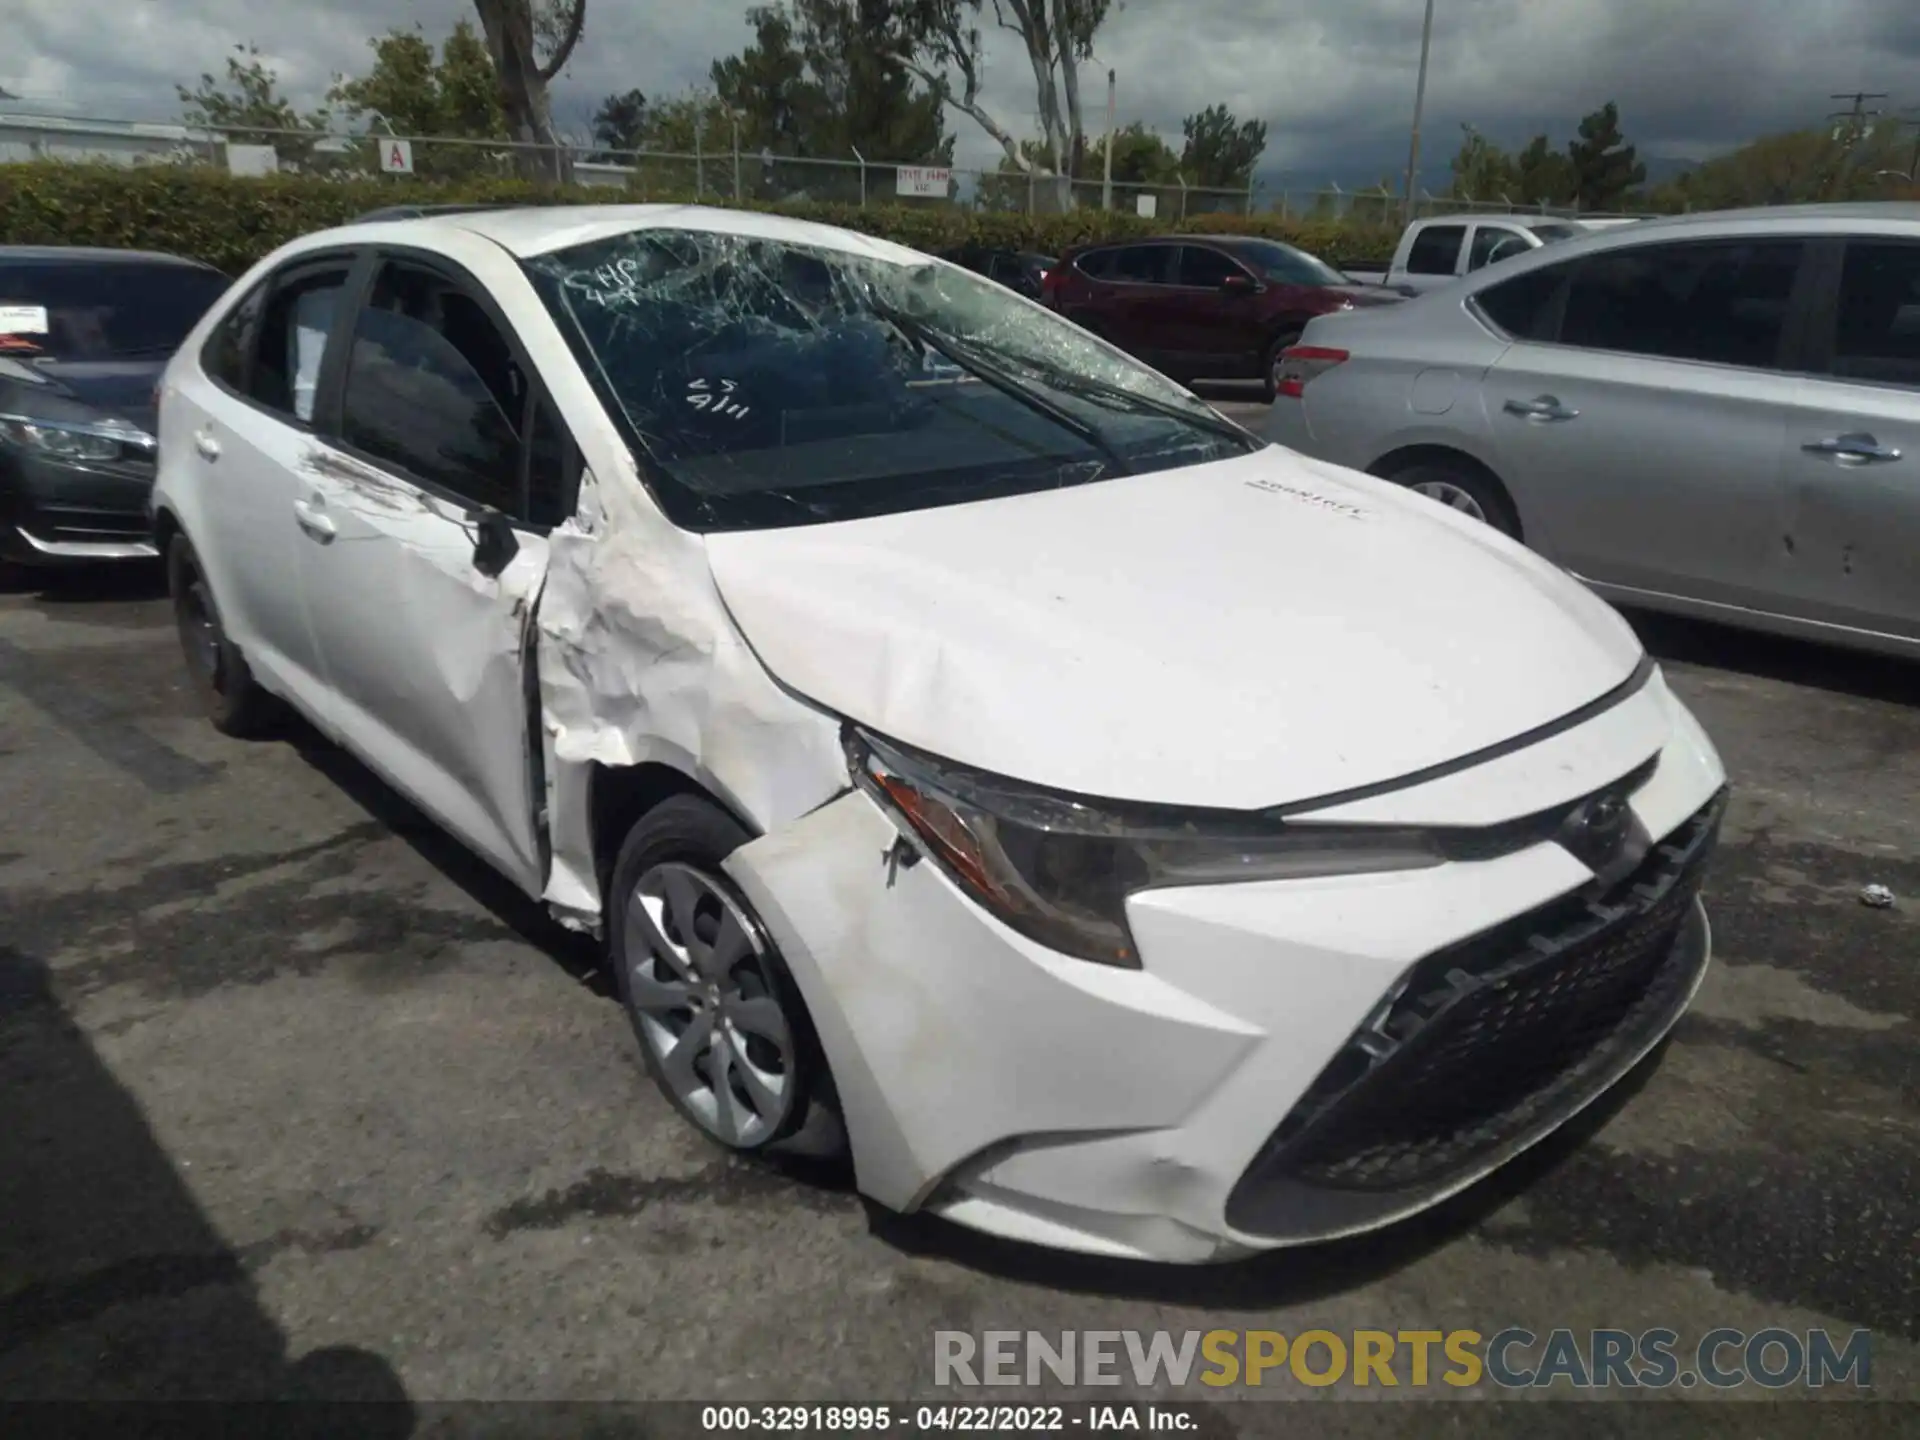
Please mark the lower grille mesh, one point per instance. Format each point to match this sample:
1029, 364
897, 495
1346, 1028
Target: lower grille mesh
1488, 1037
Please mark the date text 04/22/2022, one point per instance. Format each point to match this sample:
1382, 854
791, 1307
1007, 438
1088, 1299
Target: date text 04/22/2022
938, 1419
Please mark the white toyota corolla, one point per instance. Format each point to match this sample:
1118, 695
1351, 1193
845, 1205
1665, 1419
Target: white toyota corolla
1120, 833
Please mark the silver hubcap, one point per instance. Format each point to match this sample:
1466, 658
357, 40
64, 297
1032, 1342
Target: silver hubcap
1453, 497
697, 975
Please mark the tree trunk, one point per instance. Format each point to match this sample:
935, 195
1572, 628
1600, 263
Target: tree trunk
1056, 197
538, 153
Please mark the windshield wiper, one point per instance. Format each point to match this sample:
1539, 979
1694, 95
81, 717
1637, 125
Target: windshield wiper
970, 360
1098, 390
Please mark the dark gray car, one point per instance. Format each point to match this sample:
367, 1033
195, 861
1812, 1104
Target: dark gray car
1713, 414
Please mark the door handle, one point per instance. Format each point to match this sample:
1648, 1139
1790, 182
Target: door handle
1852, 449
208, 447
1542, 408
311, 517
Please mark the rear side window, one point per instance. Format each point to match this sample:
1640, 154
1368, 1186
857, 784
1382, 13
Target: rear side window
295, 321
1096, 263
1721, 302
433, 389
229, 349
1436, 250
1876, 329
1524, 307
1141, 264
1494, 242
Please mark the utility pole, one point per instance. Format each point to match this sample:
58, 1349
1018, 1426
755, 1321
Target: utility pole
1853, 125
1106, 183
1419, 104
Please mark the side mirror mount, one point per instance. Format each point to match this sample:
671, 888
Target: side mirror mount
1238, 285
494, 543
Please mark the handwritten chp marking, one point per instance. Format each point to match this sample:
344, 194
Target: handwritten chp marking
702, 396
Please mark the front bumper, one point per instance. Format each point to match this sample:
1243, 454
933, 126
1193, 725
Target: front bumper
53, 513
1296, 1061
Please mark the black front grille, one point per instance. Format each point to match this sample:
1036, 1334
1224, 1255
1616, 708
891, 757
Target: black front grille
1488, 1038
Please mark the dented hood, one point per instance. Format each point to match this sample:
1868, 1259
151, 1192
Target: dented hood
1241, 634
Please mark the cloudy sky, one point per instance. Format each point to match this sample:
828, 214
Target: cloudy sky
1333, 79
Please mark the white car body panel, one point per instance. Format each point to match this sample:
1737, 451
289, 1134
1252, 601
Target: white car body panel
1260, 631
1249, 990
1161, 613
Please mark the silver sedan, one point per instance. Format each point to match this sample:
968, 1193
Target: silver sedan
1714, 414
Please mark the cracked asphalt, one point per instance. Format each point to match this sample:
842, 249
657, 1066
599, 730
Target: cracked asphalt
300, 1100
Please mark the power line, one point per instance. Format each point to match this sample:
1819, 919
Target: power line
1856, 118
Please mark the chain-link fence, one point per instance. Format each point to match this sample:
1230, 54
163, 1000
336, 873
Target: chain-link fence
1383, 206
721, 172
724, 171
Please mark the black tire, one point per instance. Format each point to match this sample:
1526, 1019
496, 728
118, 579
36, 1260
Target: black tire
1270, 365
686, 830
234, 701
1486, 493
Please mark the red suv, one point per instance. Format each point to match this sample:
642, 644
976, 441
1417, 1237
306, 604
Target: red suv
1203, 306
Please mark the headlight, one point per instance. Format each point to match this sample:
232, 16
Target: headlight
104, 439
1059, 869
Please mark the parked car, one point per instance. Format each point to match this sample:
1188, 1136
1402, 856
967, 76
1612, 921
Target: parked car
1438, 250
1212, 307
84, 335
957, 733
1713, 414
1022, 271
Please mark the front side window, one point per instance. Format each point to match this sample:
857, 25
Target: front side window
1724, 302
1436, 250
1876, 327
102, 310
1206, 269
1286, 265
433, 389
767, 384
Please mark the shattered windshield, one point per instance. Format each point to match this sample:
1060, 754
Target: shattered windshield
773, 384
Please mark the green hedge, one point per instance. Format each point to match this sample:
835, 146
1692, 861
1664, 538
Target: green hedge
230, 222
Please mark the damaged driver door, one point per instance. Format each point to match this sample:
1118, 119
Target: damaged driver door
425, 507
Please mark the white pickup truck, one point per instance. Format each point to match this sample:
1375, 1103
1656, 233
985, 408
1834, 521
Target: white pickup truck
1440, 249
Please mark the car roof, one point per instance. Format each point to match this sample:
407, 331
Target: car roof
94, 255
527, 231
1820, 216
1887, 216
1231, 240
1497, 217
416, 212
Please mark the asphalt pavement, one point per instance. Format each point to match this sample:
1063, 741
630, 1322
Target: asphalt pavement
299, 1099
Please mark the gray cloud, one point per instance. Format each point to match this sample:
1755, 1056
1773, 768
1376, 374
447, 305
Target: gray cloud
1334, 79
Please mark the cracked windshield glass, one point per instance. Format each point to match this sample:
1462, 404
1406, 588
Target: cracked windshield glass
771, 384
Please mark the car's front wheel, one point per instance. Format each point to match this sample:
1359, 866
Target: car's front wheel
720, 1022
234, 701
